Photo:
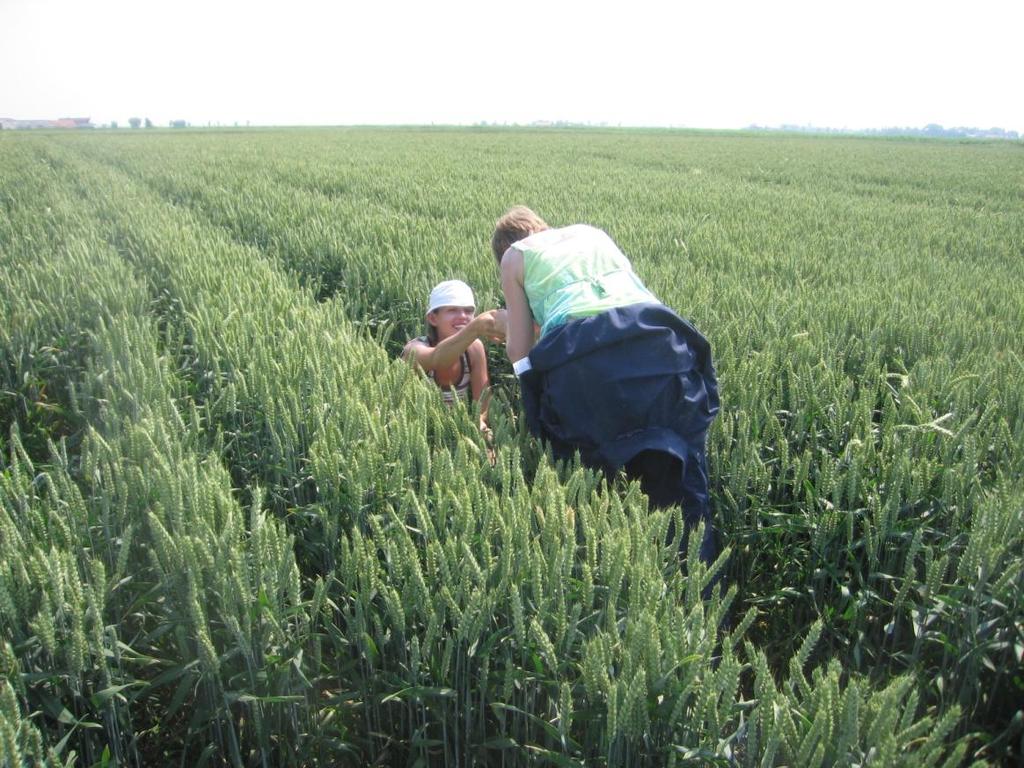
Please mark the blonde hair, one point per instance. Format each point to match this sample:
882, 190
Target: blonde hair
517, 223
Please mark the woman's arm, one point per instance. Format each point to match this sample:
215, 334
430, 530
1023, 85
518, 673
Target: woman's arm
520, 336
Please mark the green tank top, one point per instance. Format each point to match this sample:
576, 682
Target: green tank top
575, 272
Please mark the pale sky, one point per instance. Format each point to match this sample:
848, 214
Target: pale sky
700, 64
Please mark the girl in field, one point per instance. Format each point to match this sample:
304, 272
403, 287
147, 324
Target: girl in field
452, 353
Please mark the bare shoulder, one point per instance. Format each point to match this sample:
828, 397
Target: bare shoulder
512, 265
412, 349
477, 352
513, 258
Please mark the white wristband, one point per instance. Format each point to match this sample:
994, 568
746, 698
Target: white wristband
521, 366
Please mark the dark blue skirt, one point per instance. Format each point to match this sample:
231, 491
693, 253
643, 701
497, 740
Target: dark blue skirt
625, 388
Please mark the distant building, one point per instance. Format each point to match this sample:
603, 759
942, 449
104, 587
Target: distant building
9, 124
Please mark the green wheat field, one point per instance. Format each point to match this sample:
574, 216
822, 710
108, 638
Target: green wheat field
236, 530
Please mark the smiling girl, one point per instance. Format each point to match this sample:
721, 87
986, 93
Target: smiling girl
452, 353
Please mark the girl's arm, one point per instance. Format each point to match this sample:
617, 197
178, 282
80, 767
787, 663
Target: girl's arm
446, 352
479, 380
520, 337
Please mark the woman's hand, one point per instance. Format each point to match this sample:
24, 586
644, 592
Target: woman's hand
492, 325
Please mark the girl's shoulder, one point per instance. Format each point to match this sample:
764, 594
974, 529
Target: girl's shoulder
411, 344
477, 352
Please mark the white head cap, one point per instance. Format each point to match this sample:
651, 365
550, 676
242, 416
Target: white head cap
451, 293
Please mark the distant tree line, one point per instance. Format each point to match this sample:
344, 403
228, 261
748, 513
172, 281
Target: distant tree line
932, 130
139, 122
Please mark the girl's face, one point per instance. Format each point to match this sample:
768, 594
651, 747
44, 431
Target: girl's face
450, 320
